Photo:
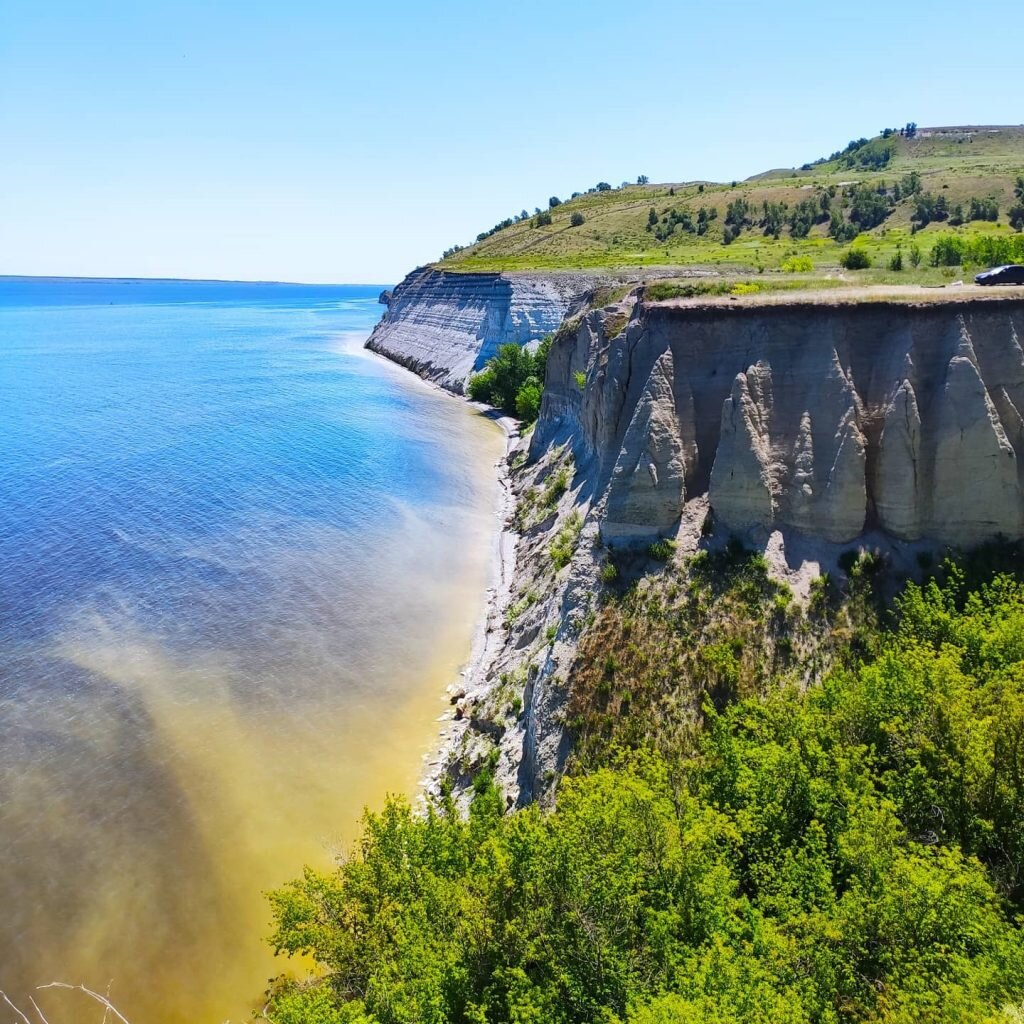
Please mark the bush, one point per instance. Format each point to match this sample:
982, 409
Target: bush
553, 202
798, 265
855, 259
564, 544
513, 380
896, 263
528, 400
981, 250
541, 219
576, 219
848, 852
661, 550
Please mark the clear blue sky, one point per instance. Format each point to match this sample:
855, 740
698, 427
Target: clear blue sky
330, 141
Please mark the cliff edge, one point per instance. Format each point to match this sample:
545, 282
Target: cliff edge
445, 326
828, 419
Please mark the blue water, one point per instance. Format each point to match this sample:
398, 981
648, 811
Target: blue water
227, 536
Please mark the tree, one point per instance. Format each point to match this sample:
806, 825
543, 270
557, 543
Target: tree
869, 207
896, 263
542, 219
652, 218
513, 379
553, 202
983, 209
1017, 210
603, 186
528, 400
773, 217
642, 179
915, 254
911, 129
576, 219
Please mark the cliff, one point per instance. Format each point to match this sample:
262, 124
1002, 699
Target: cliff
805, 428
445, 326
827, 419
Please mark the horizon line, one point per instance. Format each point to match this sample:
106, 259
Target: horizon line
192, 280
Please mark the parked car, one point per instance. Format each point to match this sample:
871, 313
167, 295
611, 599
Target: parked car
1011, 274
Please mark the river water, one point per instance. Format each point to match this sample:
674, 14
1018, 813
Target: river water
240, 559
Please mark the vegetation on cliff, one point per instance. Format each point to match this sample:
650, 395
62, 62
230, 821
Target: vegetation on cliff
851, 850
888, 194
513, 380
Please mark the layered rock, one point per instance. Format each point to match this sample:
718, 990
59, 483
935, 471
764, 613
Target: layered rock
445, 326
827, 420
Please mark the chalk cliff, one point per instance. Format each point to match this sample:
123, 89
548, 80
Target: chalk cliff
825, 419
445, 326
805, 427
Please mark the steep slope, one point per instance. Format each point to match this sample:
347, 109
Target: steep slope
825, 419
806, 431
445, 326
957, 164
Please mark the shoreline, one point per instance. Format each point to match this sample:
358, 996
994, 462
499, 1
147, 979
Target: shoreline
470, 681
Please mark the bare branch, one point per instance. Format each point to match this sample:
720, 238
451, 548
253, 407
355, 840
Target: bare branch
35, 1006
13, 1007
102, 1000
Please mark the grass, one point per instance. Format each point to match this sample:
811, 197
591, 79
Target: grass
956, 163
564, 544
704, 631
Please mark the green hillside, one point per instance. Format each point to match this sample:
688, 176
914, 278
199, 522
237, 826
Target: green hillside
883, 194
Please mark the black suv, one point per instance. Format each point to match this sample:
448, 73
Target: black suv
1011, 274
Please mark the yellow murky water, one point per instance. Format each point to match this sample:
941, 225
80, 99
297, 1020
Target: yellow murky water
203, 683
148, 846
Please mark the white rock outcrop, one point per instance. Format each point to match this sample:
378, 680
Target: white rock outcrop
829, 420
445, 326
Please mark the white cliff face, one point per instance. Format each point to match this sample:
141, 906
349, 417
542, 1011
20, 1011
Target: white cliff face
446, 326
827, 420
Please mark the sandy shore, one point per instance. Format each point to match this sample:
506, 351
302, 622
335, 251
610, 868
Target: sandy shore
470, 682
488, 635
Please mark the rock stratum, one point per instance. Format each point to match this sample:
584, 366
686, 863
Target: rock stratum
830, 420
445, 326
806, 428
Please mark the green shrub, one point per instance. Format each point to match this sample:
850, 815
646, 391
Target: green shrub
513, 379
855, 259
580, 378
661, 550
555, 486
528, 400
798, 265
849, 852
576, 219
564, 544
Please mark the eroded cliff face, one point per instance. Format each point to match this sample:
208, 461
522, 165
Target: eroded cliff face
446, 326
827, 420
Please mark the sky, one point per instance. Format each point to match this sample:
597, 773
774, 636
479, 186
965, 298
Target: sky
350, 142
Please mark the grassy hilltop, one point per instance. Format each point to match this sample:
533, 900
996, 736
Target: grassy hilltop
901, 191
